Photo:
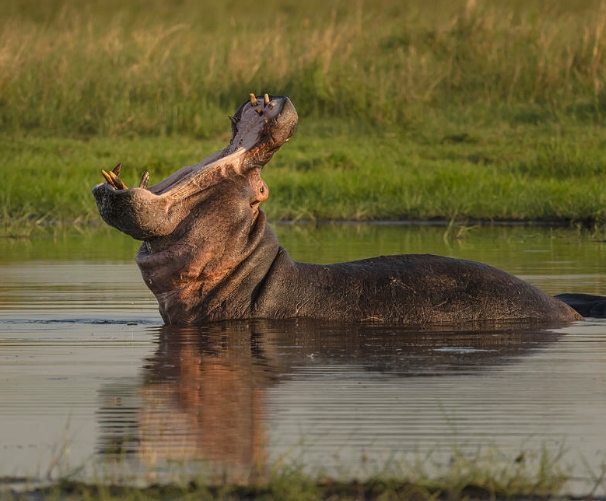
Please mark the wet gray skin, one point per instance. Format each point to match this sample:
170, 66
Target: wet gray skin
208, 254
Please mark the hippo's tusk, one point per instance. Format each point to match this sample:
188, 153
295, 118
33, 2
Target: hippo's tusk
144, 180
117, 182
266, 99
253, 99
108, 178
116, 170
259, 111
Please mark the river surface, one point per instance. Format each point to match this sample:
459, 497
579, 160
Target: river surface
92, 383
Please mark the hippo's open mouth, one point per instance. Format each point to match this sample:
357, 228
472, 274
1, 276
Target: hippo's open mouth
208, 254
259, 128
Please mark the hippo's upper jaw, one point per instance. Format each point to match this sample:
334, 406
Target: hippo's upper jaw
259, 128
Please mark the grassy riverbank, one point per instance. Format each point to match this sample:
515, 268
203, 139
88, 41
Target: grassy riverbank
337, 171
408, 110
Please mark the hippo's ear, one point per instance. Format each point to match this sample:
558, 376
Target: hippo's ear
260, 189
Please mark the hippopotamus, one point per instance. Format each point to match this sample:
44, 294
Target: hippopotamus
208, 253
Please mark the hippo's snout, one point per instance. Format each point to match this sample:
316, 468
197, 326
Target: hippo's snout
288, 123
136, 212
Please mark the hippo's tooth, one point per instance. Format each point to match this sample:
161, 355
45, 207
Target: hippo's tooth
108, 178
266, 99
144, 180
117, 182
259, 111
117, 169
253, 99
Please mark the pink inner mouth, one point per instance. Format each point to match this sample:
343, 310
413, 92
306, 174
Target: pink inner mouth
249, 126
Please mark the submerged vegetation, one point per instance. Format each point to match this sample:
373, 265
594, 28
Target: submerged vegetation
409, 110
485, 475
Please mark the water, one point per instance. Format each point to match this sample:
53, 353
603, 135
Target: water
90, 380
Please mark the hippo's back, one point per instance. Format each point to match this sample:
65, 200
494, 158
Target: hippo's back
415, 289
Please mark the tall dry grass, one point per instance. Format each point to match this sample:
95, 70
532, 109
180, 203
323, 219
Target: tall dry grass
175, 67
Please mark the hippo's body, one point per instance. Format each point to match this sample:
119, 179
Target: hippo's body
416, 289
208, 254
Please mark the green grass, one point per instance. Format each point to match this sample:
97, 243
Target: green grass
493, 174
338, 172
408, 110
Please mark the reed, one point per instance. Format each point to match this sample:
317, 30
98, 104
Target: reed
159, 67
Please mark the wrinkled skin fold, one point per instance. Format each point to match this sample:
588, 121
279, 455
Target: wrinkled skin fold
209, 255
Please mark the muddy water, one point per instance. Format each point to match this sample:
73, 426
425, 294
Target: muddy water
91, 382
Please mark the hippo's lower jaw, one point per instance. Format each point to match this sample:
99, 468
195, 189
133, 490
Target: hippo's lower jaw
208, 254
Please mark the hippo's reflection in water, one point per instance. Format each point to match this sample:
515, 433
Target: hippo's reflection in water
204, 394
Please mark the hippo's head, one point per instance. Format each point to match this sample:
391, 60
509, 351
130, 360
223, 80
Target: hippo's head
199, 224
